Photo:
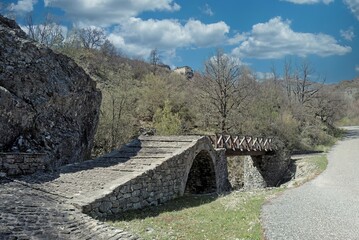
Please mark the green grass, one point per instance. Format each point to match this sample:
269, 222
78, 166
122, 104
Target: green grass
320, 162
233, 216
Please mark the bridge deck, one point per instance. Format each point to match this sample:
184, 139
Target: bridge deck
95, 177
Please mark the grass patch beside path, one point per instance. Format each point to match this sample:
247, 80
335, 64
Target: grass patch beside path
307, 168
233, 216
320, 162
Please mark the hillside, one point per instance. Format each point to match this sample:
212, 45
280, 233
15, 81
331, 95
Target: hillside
132, 95
350, 88
137, 100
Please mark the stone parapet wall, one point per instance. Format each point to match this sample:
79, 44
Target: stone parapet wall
150, 188
13, 164
162, 183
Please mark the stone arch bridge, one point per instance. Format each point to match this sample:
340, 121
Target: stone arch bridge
151, 170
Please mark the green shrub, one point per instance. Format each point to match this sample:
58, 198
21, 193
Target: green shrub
166, 122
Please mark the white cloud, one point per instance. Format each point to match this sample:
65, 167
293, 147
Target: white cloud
107, 12
237, 38
353, 5
138, 37
348, 34
275, 39
309, 1
207, 10
357, 68
23, 6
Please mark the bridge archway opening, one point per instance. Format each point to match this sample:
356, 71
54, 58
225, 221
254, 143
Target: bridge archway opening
202, 177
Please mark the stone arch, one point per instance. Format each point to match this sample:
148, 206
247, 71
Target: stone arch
202, 175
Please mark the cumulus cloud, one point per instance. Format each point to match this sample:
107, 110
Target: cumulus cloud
275, 39
139, 37
107, 12
353, 5
23, 6
357, 68
237, 38
348, 34
309, 1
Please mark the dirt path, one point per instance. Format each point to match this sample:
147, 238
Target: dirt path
325, 208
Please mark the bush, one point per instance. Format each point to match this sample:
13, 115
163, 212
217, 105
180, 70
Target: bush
166, 122
316, 135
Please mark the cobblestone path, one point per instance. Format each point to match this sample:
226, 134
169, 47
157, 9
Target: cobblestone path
43, 205
27, 213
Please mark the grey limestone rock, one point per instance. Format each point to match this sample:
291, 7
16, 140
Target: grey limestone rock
47, 102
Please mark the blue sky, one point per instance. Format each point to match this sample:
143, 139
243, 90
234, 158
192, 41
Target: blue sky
260, 33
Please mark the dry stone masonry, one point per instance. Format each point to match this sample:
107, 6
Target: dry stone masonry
147, 171
266, 170
12, 164
156, 178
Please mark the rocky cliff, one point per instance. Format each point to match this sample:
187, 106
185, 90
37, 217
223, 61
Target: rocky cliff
47, 102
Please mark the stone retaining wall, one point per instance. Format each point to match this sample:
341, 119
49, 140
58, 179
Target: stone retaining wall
252, 173
265, 171
21, 163
162, 183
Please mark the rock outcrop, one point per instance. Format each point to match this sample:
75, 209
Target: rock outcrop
47, 102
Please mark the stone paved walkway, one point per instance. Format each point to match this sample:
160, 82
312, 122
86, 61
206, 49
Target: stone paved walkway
42, 205
27, 213
84, 182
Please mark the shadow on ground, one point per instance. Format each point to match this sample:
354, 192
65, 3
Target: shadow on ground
178, 204
351, 132
126, 151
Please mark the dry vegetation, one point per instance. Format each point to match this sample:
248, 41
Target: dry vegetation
224, 97
136, 99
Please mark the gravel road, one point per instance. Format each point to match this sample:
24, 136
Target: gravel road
325, 208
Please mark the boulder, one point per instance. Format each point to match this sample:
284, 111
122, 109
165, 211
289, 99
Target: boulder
47, 102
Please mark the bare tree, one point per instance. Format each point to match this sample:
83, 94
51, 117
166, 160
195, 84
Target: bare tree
275, 74
48, 33
92, 37
287, 78
305, 89
221, 85
154, 60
